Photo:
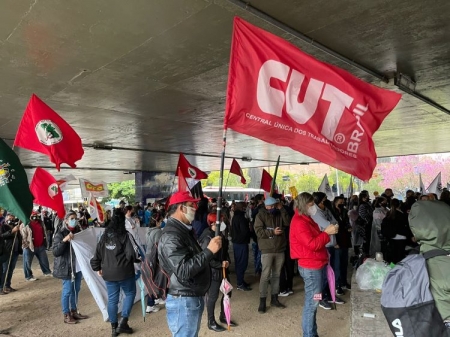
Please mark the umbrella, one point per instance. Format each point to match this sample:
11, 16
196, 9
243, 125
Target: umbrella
225, 288
331, 281
142, 286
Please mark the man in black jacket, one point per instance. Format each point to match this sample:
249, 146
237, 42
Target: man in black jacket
10, 234
240, 237
188, 266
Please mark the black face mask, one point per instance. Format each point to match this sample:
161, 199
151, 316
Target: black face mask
341, 206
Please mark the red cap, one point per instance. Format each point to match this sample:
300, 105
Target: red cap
180, 197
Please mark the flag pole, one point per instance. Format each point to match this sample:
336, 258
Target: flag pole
274, 180
219, 199
226, 184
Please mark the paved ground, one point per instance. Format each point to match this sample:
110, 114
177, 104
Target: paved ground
35, 310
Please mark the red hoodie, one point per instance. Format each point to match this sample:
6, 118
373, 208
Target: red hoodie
307, 242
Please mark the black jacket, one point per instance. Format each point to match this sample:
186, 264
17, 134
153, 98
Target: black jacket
8, 237
183, 259
115, 257
219, 257
240, 228
62, 266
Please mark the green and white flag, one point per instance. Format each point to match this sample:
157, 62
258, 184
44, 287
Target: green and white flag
15, 195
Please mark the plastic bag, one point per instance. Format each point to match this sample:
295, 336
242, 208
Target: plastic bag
371, 274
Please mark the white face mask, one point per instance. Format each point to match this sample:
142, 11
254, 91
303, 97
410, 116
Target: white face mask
312, 210
190, 215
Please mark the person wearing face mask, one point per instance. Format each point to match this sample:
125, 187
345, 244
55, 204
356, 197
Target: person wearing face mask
308, 247
270, 223
365, 211
220, 260
33, 243
377, 242
188, 265
323, 217
67, 269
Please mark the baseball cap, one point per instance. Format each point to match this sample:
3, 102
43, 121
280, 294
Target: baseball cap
180, 197
270, 201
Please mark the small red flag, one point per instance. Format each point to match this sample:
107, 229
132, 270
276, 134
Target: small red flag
285, 97
46, 192
236, 169
266, 181
43, 130
188, 170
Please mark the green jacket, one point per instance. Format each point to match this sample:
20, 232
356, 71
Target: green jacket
430, 224
265, 222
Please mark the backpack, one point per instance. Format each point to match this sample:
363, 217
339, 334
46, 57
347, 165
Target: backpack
406, 299
155, 279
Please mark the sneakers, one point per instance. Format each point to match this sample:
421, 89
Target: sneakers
324, 305
339, 291
243, 287
290, 291
32, 279
347, 286
447, 324
283, 293
338, 301
160, 301
151, 309
48, 275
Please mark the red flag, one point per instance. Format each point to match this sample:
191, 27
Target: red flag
96, 210
266, 181
236, 169
43, 130
46, 192
285, 97
182, 184
188, 170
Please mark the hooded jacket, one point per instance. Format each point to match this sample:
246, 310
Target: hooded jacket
62, 265
430, 224
265, 223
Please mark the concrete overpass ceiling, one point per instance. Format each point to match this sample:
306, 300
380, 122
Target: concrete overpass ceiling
151, 75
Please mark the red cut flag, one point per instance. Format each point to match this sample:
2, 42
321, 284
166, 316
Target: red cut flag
285, 97
188, 170
43, 130
266, 181
236, 169
182, 183
46, 191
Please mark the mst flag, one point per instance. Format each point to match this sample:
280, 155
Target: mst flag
236, 169
97, 189
266, 181
46, 192
285, 97
182, 183
15, 195
43, 130
188, 170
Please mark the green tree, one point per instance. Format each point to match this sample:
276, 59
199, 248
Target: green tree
230, 180
125, 189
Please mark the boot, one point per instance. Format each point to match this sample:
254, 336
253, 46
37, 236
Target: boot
75, 314
262, 305
69, 319
123, 326
114, 330
275, 303
223, 320
214, 326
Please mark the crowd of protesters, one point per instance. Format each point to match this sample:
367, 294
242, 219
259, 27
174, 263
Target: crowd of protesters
303, 234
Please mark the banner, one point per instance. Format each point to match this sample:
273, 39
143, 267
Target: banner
285, 97
84, 245
97, 189
294, 192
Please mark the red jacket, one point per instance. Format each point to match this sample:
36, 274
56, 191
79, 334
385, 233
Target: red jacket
307, 242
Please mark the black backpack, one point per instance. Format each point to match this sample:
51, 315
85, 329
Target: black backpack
155, 279
406, 299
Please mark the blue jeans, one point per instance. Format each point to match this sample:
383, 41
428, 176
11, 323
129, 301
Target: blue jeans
151, 300
6, 279
41, 255
128, 286
184, 315
69, 294
313, 288
240, 261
